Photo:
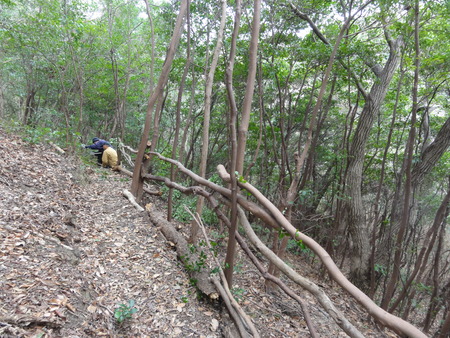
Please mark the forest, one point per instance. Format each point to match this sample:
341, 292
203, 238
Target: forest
321, 127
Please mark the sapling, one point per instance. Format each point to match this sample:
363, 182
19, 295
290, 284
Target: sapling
124, 311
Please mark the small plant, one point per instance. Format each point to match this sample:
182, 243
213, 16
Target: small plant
238, 293
381, 269
198, 265
237, 268
124, 311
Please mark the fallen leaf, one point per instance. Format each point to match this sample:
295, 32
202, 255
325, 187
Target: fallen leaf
214, 324
70, 307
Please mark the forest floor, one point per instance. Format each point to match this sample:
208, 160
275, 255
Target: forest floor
72, 249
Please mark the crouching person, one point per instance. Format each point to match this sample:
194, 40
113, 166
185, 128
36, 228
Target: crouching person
109, 157
97, 147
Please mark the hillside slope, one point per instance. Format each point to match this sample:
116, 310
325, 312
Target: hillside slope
73, 249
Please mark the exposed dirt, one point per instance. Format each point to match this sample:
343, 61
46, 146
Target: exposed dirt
73, 249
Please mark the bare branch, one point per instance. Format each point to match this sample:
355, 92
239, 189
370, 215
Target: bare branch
395, 323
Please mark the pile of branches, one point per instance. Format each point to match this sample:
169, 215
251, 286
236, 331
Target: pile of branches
272, 217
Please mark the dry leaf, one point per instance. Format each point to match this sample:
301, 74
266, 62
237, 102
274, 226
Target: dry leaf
70, 307
214, 324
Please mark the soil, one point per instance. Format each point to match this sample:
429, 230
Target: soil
73, 250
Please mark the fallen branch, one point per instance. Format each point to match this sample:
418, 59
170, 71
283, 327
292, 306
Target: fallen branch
129, 173
29, 321
121, 147
58, 149
274, 279
130, 197
395, 323
199, 274
260, 267
233, 313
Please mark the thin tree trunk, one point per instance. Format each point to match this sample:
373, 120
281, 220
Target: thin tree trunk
207, 116
231, 247
138, 182
249, 89
408, 182
173, 169
153, 46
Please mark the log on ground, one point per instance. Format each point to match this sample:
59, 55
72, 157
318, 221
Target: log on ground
198, 272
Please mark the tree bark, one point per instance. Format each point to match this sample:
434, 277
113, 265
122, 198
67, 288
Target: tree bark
407, 195
355, 210
229, 259
198, 272
137, 182
207, 115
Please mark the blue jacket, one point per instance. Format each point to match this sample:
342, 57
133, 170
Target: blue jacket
97, 145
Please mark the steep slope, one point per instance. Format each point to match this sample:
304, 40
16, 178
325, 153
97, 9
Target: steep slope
72, 249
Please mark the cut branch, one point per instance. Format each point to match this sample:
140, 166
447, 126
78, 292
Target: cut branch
130, 197
397, 324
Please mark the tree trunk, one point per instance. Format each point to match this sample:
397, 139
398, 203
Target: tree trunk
173, 169
137, 182
355, 210
249, 89
231, 247
376, 206
207, 116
